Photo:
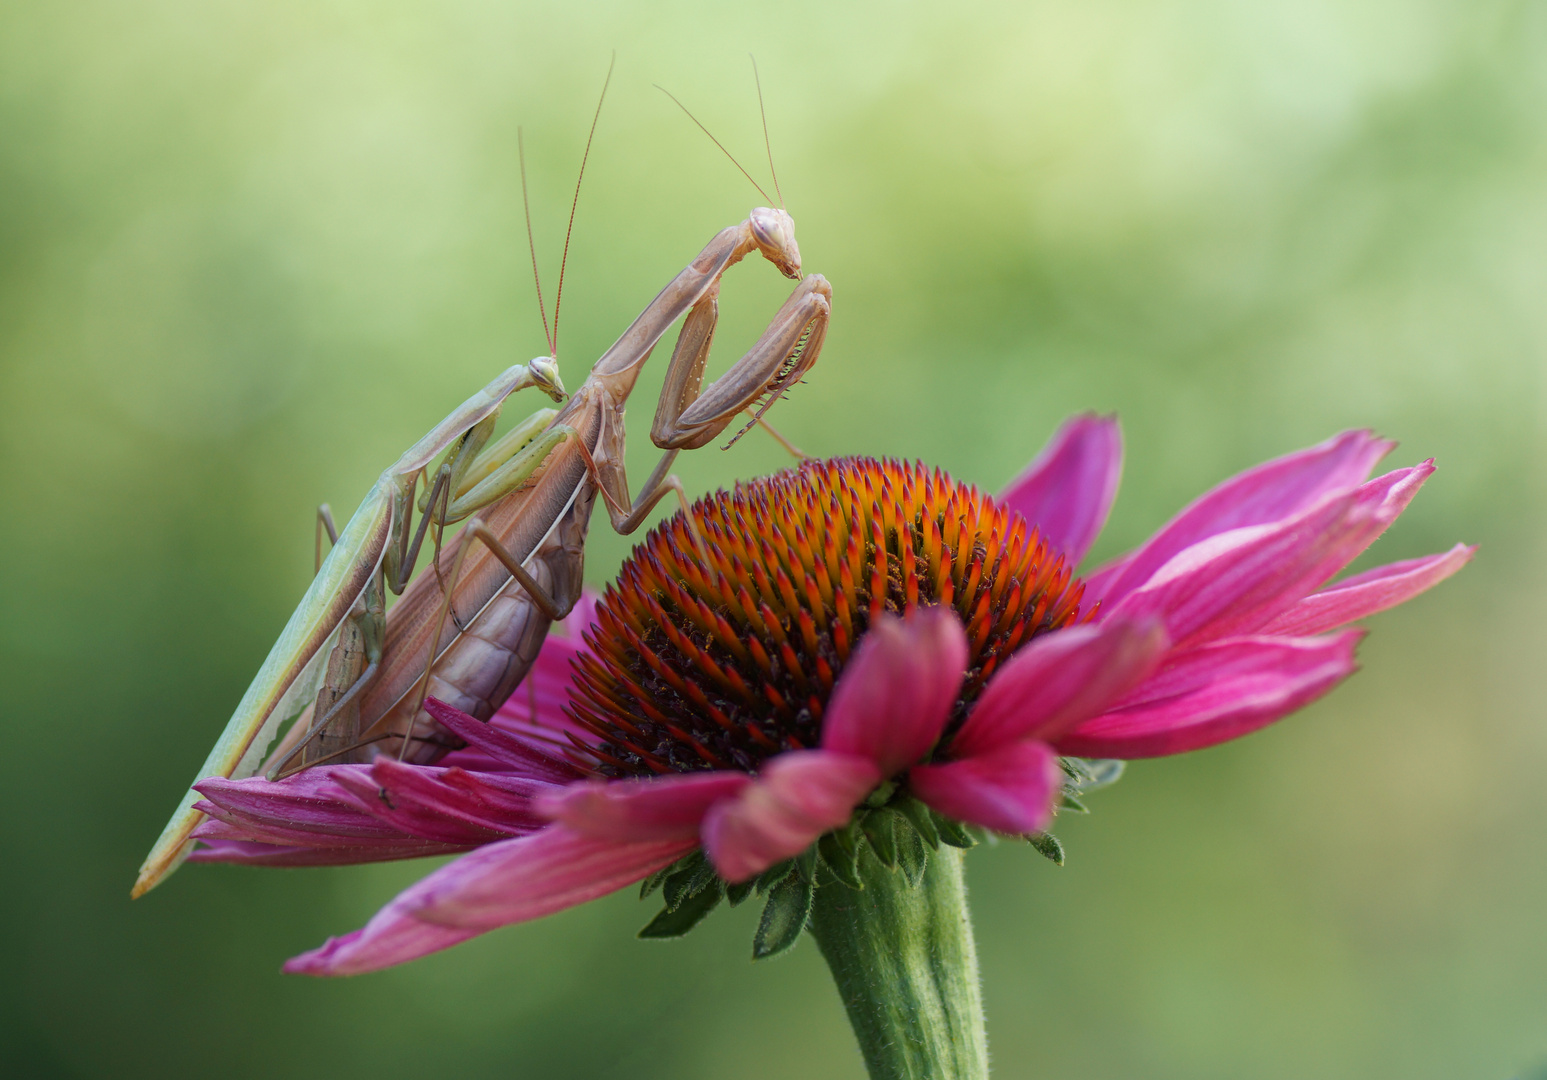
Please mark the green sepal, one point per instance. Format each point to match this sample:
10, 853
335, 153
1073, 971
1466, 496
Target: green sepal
1073, 805
880, 828
923, 820
953, 832
689, 878
912, 855
1048, 845
784, 917
657, 879
692, 911
740, 891
806, 863
704, 876
773, 875
840, 851
1090, 774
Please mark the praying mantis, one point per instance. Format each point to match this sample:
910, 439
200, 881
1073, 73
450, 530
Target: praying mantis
348, 674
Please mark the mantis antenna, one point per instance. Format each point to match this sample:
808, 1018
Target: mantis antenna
583, 159
717, 142
526, 203
542, 309
766, 144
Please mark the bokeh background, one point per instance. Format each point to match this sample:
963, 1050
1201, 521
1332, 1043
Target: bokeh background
250, 251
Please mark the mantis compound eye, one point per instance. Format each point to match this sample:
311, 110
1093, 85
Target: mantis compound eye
774, 231
545, 376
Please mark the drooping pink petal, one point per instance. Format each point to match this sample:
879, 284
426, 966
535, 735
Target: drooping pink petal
895, 694
506, 882
660, 808
1009, 789
1059, 680
1216, 693
555, 869
223, 824
1366, 594
413, 818
251, 853
1067, 491
310, 801
798, 797
495, 801
517, 754
1238, 581
391, 937
1262, 495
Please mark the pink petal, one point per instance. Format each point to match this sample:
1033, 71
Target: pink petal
662, 808
249, 853
798, 797
310, 801
525, 757
1365, 594
895, 694
1067, 491
415, 819
507, 882
223, 824
1216, 693
537, 875
1239, 581
1009, 789
1262, 495
390, 938
1059, 680
496, 801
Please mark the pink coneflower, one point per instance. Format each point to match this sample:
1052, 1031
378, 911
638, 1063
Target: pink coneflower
875, 657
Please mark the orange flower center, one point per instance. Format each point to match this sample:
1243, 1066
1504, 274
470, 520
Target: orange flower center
721, 665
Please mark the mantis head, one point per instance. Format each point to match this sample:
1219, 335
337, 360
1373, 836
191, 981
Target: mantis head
774, 231
544, 372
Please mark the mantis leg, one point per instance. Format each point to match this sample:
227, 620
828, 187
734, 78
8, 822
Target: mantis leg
324, 521
541, 599
482, 476
687, 418
612, 482
627, 516
400, 561
372, 538
480, 467
789, 447
401, 555
335, 714
472, 477
499, 482
508, 464
316, 730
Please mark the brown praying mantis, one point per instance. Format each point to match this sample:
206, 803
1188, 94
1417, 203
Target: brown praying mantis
348, 675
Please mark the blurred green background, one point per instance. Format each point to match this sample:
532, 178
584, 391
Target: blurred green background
250, 251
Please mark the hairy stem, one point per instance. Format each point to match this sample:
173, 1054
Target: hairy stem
907, 969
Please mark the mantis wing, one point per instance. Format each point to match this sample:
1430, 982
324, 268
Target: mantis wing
349, 567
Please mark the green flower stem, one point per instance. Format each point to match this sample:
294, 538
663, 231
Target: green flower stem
907, 969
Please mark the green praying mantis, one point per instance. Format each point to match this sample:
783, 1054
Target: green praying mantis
350, 677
